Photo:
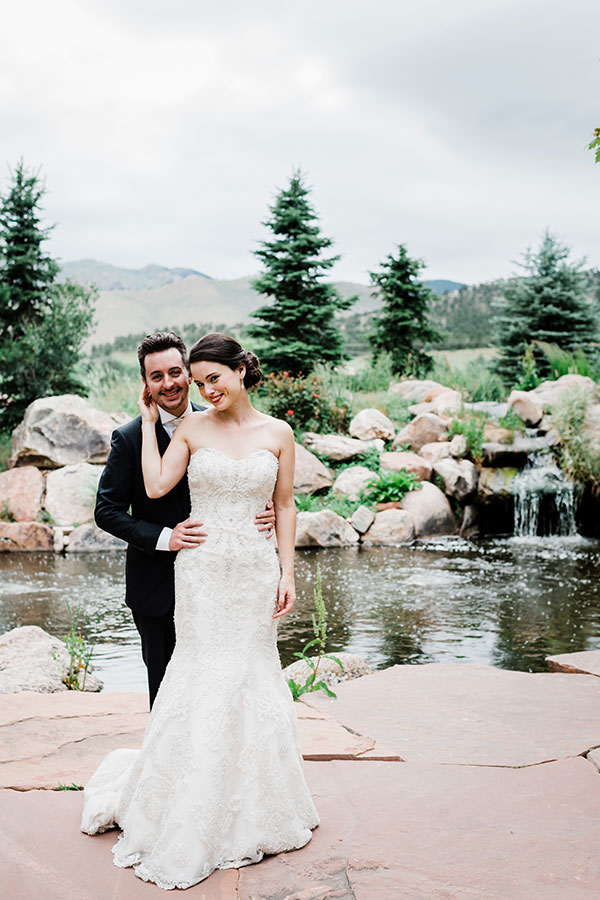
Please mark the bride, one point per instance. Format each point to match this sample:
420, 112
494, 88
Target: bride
218, 781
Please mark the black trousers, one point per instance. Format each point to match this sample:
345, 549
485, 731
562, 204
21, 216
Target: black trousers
158, 642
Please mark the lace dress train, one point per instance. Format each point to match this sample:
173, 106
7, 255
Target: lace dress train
218, 781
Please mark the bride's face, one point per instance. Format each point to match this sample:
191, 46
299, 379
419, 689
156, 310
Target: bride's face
218, 384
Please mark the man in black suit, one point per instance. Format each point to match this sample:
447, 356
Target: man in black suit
153, 529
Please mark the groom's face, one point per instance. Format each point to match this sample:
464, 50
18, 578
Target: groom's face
168, 380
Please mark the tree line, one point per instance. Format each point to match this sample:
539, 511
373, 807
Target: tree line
44, 323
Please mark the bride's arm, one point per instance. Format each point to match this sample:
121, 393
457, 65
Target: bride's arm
285, 523
160, 474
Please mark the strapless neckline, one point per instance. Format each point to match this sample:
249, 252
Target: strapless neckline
233, 458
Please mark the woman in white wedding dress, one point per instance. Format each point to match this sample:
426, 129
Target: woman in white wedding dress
218, 781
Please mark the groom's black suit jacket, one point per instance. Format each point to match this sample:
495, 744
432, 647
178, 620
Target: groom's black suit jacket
124, 509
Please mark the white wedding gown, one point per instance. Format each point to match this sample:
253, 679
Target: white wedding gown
218, 781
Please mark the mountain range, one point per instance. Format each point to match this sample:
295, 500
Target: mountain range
136, 301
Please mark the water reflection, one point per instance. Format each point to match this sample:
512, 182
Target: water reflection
506, 603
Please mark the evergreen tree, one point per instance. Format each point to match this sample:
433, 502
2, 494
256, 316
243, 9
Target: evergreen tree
297, 329
402, 327
42, 324
549, 303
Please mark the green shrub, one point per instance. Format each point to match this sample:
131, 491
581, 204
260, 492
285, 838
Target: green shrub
390, 487
529, 377
340, 505
304, 402
476, 381
563, 362
578, 456
512, 421
5, 449
471, 425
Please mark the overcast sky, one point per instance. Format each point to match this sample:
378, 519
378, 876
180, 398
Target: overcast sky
163, 129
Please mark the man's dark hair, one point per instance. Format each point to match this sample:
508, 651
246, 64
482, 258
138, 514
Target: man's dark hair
156, 343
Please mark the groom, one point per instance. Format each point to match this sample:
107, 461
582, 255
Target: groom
154, 529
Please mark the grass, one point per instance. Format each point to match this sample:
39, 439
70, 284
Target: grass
315, 503
579, 455
5, 449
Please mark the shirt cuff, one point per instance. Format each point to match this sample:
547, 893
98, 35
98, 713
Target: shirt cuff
164, 538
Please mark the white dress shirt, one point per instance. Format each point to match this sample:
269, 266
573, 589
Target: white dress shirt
169, 423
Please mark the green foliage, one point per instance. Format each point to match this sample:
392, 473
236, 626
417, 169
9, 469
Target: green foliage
550, 304
319, 622
512, 422
80, 652
69, 787
304, 402
475, 382
42, 324
313, 503
5, 514
402, 328
562, 362
471, 425
529, 377
390, 487
464, 315
578, 454
594, 144
297, 329
5, 449
112, 386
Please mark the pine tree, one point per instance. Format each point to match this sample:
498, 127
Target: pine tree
42, 324
298, 328
549, 303
402, 327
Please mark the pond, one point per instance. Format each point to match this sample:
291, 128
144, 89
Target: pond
503, 602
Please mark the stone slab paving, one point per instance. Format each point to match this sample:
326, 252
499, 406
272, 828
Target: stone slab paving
471, 714
390, 831
52, 739
586, 662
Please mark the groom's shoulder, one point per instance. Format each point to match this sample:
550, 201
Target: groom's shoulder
129, 431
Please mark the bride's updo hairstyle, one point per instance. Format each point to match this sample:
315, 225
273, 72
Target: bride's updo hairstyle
221, 348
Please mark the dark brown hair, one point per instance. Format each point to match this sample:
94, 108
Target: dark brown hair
156, 343
221, 348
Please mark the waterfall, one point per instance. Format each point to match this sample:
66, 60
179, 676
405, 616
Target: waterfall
543, 499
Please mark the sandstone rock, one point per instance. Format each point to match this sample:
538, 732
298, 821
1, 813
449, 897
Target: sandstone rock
460, 477
583, 662
493, 482
417, 391
71, 493
90, 539
21, 492
411, 462
425, 429
447, 401
354, 666
33, 660
310, 474
352, 481
430, 510
369, 424
362, 519
458, 446
59, 431
527, 407
549, 393
391, 526
436, 450
324, 529
27, 536
338, 447
495, 434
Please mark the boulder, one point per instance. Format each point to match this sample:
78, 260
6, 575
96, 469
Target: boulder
26, 536
549, 393
369, 424
447, 401
338, 447
490, 407
496, 482
527, 407
71, 493
430, 510
60, 431
417, 391
391, 526
324, 529
33, 660
458, 446
354, 666
352, 481
495, 434
21, 492
460, 477
362, 519
410, 462
89, 538
436, 450
513, 454
311, 474
424, 429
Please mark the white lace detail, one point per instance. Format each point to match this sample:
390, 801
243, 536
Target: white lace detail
218, 781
